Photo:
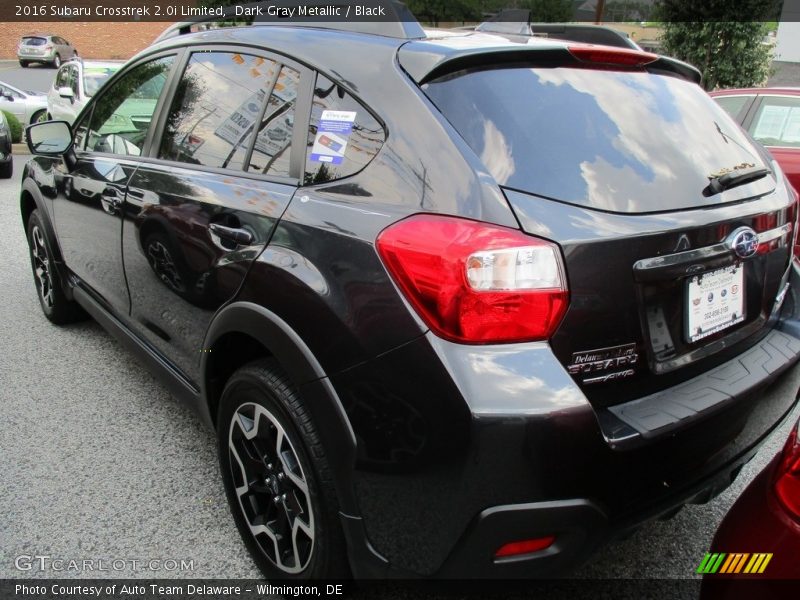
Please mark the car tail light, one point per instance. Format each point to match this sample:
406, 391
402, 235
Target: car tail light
612, 56
524, 547
787, 482
476, 283
796, 213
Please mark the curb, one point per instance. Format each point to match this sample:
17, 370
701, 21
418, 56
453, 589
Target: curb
20, 149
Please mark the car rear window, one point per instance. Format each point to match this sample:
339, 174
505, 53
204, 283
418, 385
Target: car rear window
620, 141
34, 41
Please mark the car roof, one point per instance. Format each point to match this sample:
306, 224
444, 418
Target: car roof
419, 57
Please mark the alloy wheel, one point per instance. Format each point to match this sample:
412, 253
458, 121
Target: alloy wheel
271, 487
163, 265
41, 266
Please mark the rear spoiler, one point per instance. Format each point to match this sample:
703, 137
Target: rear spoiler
427, 60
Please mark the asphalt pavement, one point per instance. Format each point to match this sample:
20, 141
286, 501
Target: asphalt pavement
98, 461
36, 78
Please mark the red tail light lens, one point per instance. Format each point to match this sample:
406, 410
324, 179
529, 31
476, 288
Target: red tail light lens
524, 547
612, 56
787, 484
476, 283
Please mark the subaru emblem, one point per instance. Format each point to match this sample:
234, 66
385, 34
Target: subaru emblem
744, 242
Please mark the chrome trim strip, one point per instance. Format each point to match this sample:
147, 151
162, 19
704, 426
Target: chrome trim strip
705, 253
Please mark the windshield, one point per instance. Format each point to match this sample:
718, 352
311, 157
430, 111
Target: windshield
620, 141
94, 77
34, 41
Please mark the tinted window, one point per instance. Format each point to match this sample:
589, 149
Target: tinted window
777, 122
733, 105
34, 41
613, 140
217, 103
94, 77
7, 91
274, 140
62, 79
121, 117
73, 80
343, 136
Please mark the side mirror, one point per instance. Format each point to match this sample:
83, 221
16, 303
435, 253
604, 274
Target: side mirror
52, 138
66, 92
8, 97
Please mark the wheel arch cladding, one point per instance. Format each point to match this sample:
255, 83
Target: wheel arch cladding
242, 332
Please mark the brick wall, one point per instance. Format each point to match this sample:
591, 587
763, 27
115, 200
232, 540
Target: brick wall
93, 40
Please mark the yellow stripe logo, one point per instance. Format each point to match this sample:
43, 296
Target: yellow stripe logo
734, 563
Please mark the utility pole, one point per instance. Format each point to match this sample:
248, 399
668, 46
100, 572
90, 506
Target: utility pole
600, 9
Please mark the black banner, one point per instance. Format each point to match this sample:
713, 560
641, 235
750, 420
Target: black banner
425, 11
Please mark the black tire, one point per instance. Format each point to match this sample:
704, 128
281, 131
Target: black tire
56, 61
23, 64
261, 396
39, 116
55, 305
7, 170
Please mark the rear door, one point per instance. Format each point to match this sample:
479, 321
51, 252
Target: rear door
204, 203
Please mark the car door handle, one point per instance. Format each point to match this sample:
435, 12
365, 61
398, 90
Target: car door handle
234, 234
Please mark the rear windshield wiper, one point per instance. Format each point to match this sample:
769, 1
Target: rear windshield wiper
734, 178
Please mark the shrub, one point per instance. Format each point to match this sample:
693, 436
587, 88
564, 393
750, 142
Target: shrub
14, 126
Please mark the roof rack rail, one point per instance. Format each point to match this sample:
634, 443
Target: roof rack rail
388, 18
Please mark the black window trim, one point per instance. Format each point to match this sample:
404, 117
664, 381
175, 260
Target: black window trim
151, 156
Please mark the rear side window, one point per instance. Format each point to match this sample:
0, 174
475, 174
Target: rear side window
734, 105
777, 122
218, 101
343, 136
623, 141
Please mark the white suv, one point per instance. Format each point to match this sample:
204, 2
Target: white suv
75, 83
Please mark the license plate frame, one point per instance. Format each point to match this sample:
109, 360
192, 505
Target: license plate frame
715, 301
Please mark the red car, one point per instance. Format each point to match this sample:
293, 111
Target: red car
759, 538
771, 116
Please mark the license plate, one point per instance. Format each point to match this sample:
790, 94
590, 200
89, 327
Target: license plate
714, 301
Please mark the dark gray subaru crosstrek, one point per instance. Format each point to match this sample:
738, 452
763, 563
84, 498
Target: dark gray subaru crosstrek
455, 306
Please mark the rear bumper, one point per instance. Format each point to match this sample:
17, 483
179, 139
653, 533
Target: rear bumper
499, 445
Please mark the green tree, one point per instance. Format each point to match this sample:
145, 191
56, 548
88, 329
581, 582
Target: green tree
721, 38
549, 11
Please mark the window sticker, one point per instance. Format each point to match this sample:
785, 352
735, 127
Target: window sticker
333, 133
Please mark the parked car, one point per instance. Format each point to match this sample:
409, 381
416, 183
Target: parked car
27, 106
759, 538
74, 85
44, 48
469, 308
771, 116
6, 158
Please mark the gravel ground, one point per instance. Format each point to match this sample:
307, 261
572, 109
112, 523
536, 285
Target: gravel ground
98, 461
